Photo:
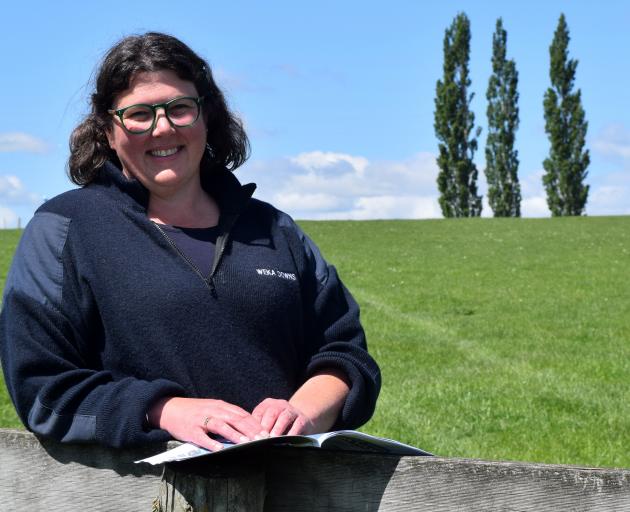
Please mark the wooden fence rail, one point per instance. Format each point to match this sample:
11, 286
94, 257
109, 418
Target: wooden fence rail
42, 475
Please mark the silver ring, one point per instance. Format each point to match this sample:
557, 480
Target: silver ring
205, 422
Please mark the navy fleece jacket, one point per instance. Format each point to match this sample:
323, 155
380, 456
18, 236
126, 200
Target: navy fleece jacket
102, 316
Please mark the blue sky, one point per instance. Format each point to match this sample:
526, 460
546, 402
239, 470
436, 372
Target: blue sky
337, 97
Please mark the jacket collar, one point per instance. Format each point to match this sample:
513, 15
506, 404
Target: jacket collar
220, 183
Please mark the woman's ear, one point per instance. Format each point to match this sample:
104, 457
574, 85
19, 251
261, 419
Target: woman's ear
110, 138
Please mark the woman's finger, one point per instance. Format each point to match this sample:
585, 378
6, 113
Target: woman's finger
240, 429
269, 418
245, 424
251, 427
298, 426
203, 440
264, 406
284, 420
225, 430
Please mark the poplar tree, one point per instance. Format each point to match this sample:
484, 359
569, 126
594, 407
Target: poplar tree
454, 122
504, 190
565, 168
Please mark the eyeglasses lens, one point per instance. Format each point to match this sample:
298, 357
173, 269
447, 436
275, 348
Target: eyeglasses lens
181, 112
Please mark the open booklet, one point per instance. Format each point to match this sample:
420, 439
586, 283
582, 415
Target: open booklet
344, 440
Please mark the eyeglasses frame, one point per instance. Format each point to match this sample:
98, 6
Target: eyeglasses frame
119, 113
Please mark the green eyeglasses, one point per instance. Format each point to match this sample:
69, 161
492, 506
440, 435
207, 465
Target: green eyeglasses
140, 118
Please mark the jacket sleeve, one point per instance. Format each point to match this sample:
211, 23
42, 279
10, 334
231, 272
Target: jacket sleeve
49, 331
335, 333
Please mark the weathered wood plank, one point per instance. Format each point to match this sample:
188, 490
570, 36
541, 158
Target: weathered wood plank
391, 484
49, 476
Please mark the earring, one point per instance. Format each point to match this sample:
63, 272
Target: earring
210, 151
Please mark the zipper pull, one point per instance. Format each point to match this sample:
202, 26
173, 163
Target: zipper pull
213, 290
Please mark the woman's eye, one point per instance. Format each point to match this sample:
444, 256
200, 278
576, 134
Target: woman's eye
179, 109
138, 115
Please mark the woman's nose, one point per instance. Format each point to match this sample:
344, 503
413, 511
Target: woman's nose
162, 124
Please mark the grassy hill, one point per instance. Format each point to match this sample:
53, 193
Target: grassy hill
497, 338
8, 242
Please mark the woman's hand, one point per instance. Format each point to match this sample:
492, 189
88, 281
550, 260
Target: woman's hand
314, 407
280, 417
192, 419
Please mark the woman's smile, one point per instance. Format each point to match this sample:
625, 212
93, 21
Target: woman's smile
161, 153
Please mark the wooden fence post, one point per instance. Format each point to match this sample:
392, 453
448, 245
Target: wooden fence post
222, 488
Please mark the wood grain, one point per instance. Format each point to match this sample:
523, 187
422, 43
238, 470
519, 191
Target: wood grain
44, 475
390, 484
50, 476
239, 490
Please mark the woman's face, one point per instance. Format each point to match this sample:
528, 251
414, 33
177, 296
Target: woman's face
165, 159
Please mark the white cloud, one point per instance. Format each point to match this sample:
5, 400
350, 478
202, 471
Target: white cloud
531, 183
309, 202
17, 141
327, 185
534, 197
613, 141
316, 160
397, 207
609, 200
535, 206
12, 191
610, 192
8, 218
610, 195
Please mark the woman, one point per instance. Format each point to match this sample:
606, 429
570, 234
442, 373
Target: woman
159, 299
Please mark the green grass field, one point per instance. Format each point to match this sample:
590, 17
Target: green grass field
8, 243
497, 338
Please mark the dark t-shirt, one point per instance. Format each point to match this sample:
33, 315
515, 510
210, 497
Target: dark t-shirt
197, 244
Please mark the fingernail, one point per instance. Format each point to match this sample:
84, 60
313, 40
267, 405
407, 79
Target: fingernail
244, 439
